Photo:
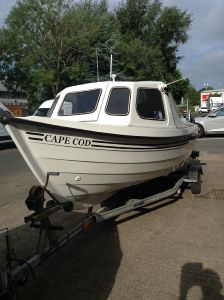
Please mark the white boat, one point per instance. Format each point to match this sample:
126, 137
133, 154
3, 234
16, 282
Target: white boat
102, 137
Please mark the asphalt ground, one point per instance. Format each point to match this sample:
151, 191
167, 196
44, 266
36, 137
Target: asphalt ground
175, 251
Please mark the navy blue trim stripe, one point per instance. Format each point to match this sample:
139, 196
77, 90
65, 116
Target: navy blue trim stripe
35, 139
102, 136
135, 148
35, 133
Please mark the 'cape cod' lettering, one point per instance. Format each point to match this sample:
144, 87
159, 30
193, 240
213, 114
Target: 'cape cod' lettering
67, 140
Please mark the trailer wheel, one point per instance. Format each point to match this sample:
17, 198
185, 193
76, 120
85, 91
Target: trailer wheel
196, 186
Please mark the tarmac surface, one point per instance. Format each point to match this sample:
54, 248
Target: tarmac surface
175, 251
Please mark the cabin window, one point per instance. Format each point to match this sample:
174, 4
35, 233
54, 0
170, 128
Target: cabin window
150, 104
80, 103
118, 102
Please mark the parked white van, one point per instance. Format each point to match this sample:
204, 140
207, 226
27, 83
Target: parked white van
44, 108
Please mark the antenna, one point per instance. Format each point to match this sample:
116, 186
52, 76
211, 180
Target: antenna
97, 66
176, 81
111, 64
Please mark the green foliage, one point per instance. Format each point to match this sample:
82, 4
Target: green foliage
34, 41
154, 33
215, 95
47, 45
193, 96
209, 88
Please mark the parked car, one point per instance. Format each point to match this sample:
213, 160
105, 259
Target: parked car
4, 135
44, 108
213, 123
203, 110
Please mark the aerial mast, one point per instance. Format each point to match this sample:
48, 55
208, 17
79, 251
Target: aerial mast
97, 66
111, 64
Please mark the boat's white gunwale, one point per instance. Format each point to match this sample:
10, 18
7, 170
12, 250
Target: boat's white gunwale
82, 129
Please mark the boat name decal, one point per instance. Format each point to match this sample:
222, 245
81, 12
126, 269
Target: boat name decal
67, 140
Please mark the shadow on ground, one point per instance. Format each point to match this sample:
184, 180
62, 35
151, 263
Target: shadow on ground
85, 269
6, 146
194, 275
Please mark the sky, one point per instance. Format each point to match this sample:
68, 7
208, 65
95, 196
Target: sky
203, 54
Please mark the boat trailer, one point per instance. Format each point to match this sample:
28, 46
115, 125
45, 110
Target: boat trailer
18, 270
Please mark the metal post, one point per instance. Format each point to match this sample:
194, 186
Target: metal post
111, 64
97, 66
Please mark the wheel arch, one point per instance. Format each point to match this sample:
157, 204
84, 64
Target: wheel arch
201, 127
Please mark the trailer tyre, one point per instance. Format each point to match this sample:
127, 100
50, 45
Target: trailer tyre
196, 186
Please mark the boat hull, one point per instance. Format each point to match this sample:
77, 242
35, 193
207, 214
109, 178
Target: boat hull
88, 168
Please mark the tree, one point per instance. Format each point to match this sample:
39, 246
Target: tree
155, 34
49, 44
208, 87
171, 28
91, 28
193, 96
34, 40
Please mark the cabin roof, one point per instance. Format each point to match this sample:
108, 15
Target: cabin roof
104, 84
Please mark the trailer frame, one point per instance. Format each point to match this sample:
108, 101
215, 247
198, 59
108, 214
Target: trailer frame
48, 242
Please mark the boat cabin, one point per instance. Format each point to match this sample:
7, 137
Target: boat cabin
117, 103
